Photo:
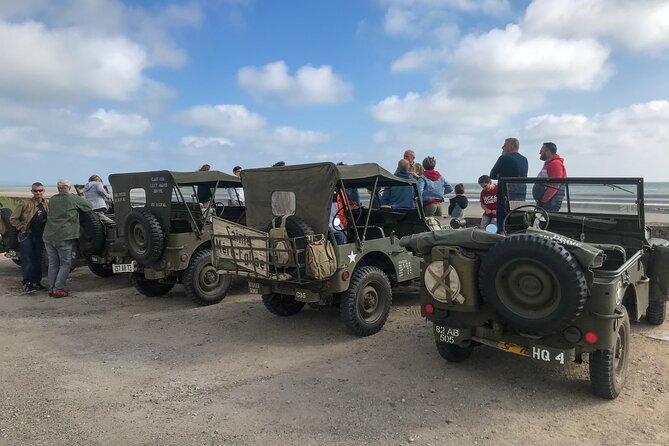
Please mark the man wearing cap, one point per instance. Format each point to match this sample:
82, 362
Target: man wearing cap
61, 230
29, 219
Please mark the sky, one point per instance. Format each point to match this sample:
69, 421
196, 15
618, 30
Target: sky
108, 86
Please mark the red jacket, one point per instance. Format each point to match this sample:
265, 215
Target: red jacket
553, 168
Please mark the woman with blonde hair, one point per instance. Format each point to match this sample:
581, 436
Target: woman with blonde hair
95, 193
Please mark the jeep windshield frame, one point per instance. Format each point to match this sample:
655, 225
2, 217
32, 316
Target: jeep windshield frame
603, 204
313, 186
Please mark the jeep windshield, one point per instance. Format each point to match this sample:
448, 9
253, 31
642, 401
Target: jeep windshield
582, 208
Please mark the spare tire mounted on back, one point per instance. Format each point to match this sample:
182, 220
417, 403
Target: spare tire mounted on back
534, 283
144, 236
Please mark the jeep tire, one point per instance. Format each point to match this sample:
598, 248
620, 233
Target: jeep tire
366, 304
100, 269
201, 281
656, 312
92, 239
282, 305
534, 283
608, 367
148, 287
144, 236
452, 352
295, 227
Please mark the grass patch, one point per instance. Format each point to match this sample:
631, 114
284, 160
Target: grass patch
9, 202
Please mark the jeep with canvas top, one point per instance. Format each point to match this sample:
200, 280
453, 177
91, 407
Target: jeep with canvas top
167, 234
559, 285
306, 242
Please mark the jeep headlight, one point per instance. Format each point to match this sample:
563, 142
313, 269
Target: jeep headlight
443, 283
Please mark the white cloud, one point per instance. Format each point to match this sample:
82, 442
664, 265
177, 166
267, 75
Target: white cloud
197, 143
506, 61
414, 17
237, 123
418, 59
309, 86
110, 124
636, 24
626, 141
67, 64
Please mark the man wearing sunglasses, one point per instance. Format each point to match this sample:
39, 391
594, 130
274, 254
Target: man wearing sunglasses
29, 218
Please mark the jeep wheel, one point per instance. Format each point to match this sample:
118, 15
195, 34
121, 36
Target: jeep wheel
282, 305
148, 287
144, 236
608, 368
366, 304
452, 352
11, 236
657, 312
92, 239
534, 283
201, 281
100, 269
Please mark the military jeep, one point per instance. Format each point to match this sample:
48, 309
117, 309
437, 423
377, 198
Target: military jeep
558, 285
289, 250
167, 233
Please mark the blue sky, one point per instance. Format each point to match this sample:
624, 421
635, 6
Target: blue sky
106, 86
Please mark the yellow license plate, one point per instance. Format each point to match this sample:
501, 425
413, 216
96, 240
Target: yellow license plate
513, 348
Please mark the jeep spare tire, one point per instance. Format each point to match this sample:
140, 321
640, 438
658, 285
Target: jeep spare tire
144, 236
92, 238
11, 236
534, 283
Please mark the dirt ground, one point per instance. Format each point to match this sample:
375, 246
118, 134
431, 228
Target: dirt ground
109, 366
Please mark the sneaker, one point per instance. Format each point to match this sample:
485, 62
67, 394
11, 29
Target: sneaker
39, 287
58, 293
29, 288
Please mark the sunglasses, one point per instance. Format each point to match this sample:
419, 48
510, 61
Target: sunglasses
37, 190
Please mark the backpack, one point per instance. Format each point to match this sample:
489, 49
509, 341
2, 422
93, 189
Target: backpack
321, 261
279, 243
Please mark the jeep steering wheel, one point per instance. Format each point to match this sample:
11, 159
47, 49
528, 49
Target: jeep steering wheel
530, 217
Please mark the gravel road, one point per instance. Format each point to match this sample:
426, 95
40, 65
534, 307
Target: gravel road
109, 366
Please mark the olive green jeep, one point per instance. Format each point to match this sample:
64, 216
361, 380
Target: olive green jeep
562, 283
161, 234
310, 238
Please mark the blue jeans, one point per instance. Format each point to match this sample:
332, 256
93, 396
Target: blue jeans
31, 248
60, 260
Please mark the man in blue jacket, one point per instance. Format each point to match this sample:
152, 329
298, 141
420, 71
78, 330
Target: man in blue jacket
510, 164
400, 197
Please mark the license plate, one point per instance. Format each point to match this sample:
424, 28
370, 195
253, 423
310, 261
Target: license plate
119, 268
254, 288
450, 335
540, 353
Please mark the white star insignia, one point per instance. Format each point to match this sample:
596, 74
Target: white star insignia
351, 257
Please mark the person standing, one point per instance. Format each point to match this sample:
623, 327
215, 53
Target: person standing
29, 218
236, 194
95, 192
432, 187
416, 169
550, 196
510, 164
203, 190
488, 199
458, 204
400, 197
62, 229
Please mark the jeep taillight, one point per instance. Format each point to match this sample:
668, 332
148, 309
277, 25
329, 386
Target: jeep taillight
591, 337
345, 275
429, 309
